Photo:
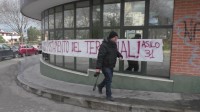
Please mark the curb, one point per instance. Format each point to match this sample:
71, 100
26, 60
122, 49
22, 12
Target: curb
87, 101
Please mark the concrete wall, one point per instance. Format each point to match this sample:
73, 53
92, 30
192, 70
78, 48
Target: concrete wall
120, 81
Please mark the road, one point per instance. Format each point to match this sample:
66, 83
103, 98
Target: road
14, 99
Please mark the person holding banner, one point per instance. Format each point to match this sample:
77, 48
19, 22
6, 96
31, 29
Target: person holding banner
106, 61
134, 64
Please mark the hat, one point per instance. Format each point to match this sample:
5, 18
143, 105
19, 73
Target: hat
112, 34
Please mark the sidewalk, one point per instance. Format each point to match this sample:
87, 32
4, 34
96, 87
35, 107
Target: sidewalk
125, 100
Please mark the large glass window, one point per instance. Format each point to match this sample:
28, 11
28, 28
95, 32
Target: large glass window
161, 69
82, 34
134, 13
58, 35
46, 35
59, 59
69, 62
82, 64
51, 19
46, 20
161, 12
46, 23
52, 57
82, 21
133, 66
83, 15
111, 14
51, 35
130, 34
69, 16
106, 16
96, 32
69, 34
59, 17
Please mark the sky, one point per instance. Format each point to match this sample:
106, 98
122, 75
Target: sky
8, 29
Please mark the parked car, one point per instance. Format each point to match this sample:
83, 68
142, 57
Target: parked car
6, 52
24, 50
38, 47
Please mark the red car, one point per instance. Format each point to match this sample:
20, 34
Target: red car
27, 50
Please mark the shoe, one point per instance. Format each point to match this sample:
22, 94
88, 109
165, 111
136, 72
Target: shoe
99, 89
110, 98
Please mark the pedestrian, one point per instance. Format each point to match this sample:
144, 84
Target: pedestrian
134, 64
106, 61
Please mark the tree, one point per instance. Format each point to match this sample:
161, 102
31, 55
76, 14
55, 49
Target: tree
12, 17
2, 40
33, 34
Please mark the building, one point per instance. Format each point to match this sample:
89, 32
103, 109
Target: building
10, 37
176, 22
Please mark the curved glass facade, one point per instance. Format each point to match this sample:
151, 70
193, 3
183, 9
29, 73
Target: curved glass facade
94, 19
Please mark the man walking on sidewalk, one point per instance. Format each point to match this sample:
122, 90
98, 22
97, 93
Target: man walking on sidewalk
106, 61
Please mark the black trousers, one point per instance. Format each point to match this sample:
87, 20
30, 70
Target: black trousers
133, 64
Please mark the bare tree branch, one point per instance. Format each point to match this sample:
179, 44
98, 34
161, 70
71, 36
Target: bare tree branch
12, 17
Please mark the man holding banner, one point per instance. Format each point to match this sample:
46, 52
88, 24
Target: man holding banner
134, 64
106, 61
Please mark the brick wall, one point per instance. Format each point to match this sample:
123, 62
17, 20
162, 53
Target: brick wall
185, 58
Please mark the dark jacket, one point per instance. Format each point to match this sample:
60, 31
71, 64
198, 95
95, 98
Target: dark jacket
107, 55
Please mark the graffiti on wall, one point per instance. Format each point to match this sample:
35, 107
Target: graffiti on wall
188, 29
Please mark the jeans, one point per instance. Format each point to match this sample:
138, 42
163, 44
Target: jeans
108, 74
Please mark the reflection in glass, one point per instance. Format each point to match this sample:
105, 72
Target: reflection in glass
69, 18
52, 60
69, 34
161, 69
58, 20
96, 22
46, 36
82, 64
46, 22
134, 13
161, 12
42, 24
69, 62
58, 35
51, 21
82, 17
59, 60
82, 34
130, 34
51, 35
111, 14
